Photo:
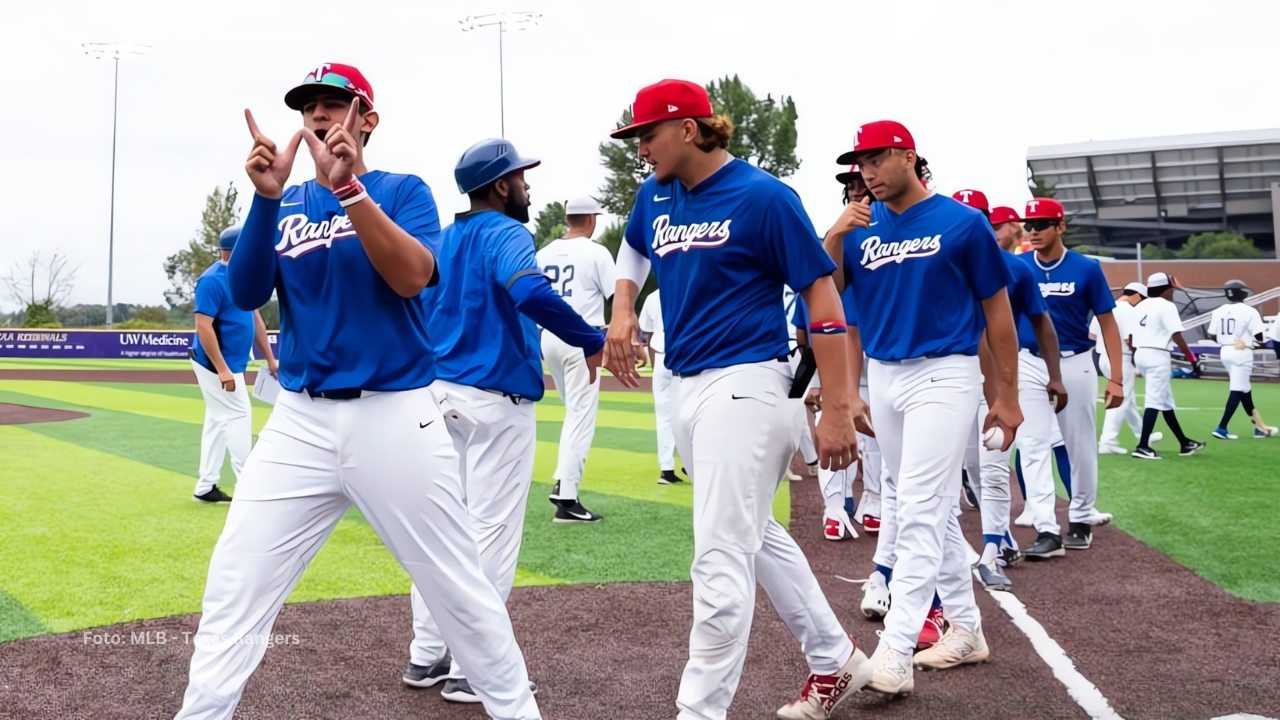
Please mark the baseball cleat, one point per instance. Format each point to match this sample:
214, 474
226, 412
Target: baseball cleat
213, 496
1222, 434
1024, 519
669, 477
935, 626
991, 577
458, 690
1099, 518
836, 528
875, 597
1009, 556
791, 477
1145, 453
1111, 450
957, 647
1079, 536
812, 469
891, 671
1190, 447
1259, 434
1156, 437
424, 676
871, 524
970, 495
571, 511
1047, 545
822, 693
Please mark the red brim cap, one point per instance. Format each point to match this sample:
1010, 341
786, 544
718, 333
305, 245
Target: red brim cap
665, 100
973, 198
1001, 215
1043, 209
878, 135
327, 78
848, 176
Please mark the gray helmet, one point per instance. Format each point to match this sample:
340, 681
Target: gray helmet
1235, 290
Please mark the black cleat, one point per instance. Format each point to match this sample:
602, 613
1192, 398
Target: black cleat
970, 497
571, 511
669, 477
1190, 447
213, 496
1145, 453
1047, 545
1009, 556
458, 690
424, 676
1079, 536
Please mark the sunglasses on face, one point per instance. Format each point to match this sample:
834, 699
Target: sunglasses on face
1038, 225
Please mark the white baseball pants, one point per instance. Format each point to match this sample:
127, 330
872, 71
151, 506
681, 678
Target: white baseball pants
581, 397
495, 439
1035, 439
1239, 367
390, 455
1157, 367
664, 410
996, 499
1079, 425
1128, 412
924, 412
737, 430
228, 427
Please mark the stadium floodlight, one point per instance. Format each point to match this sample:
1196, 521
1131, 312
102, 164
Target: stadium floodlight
114, 51
505, 22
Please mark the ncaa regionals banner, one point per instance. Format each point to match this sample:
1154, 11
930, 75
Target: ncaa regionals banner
59, 343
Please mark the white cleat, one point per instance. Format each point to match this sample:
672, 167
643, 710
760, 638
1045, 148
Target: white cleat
891, 671
822, 693
875, 597
791, 477
957, 647
1099, 518
1111, 450
1155, 438
1024, 520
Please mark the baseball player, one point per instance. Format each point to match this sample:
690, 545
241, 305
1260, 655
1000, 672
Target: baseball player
491, 379
1073, 288
1158, 324
1126, 318
926, 275
1040, 395
581, 271
356, 421
1237, 327
219, 356
723, 238
663, 395
793, 308
836, 485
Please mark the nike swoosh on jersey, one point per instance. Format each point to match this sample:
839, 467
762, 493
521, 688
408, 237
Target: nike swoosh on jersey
656, 198
285, 204
871, 225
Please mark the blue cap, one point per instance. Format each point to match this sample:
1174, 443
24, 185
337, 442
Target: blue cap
227, 239
487, 161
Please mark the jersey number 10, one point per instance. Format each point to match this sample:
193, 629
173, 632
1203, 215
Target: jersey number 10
560, 278
1227, 326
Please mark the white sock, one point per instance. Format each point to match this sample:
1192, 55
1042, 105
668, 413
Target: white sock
989, 553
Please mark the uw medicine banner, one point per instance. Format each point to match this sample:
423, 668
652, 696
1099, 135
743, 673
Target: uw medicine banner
170, 344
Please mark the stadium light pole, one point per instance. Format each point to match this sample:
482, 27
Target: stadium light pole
517, 20
114, 51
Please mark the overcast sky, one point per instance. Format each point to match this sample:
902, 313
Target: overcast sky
977, 82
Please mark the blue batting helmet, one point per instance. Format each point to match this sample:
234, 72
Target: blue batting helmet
227, 239
487, 161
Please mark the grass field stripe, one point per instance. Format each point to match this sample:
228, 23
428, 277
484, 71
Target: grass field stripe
1085, 693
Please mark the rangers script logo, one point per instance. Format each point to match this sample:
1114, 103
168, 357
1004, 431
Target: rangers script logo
1058, 289
669, 238
876, 252
299, 236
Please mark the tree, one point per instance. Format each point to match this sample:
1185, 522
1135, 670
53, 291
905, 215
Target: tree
1219, 245
185, 266
83, 316
1151, 251
40, 287
1040, 187
549, 225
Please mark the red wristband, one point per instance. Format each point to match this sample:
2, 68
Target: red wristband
827, 327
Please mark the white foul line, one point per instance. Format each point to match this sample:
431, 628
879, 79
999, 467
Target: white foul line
1085, 693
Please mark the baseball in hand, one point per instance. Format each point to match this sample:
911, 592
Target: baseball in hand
993, 439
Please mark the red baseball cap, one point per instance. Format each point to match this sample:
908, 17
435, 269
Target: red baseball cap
665, 100
329, 77
849, 175
973, 198
878, 135
1001, 215
1044, 209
